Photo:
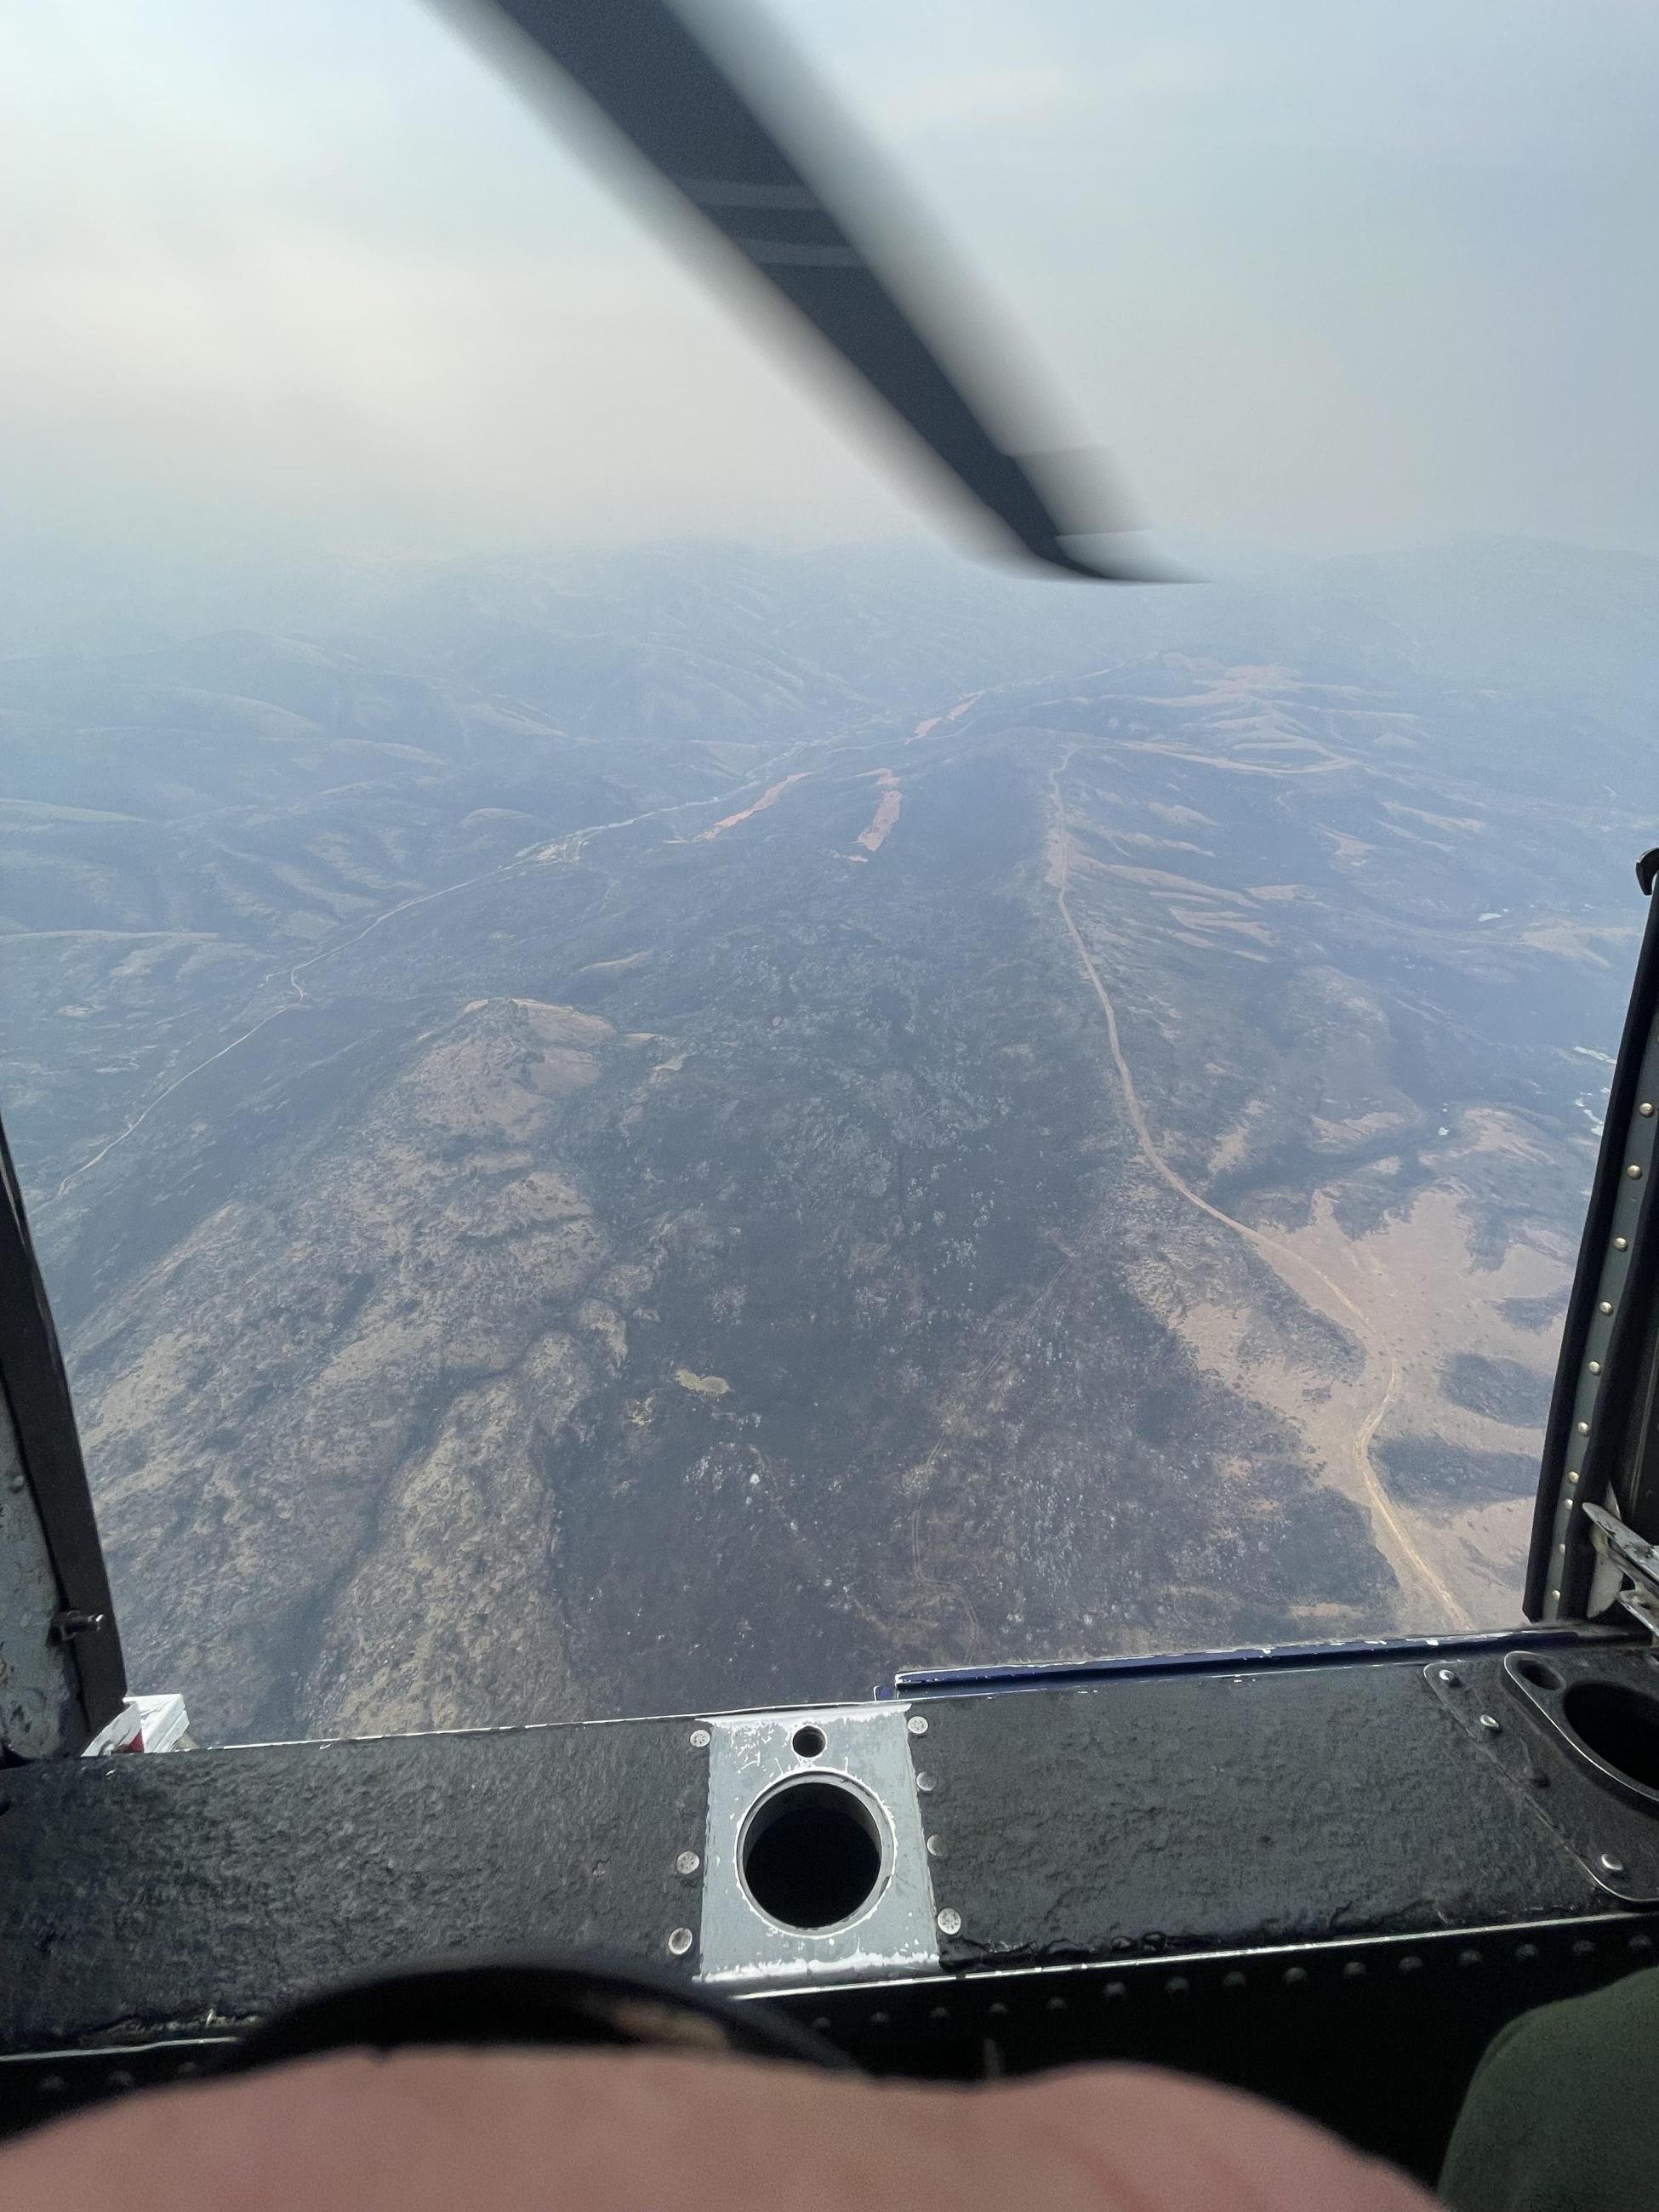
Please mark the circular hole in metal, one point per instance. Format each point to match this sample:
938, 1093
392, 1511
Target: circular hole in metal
1619, 1725
807, 1742
1538, 1672
811, 1854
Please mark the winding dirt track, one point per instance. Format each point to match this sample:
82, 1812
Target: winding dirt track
1393, 1537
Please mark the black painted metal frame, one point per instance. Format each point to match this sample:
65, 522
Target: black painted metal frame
1623, 1383
1322, 1882
79, 1611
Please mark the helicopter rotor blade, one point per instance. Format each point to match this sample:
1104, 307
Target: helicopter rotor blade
640, 62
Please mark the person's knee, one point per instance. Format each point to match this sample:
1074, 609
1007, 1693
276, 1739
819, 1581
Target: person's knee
526, 2132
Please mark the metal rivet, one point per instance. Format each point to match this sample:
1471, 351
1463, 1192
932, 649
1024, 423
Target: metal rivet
1411, 1964
936, 1847
1491, 1722
1115, 1992
1640, 1943
881, 2020
1235, 1980
118, 2078
1645, 1109
821, 2024
687, 1863
1447, 1674
699, 1739
1595, 1367
1610, 1864
996, 2010
52, 2085
925, 1783
949, 1921
1621, 1243
917, 1724
1176, 1986
1294, 1977
1584, 1428
1555, 1596
1634, 1172
1469, 1958
1572, 1474
1526, 1953
1583, 1949
1056, 2004
1355, 1970
679, 1942
940, 2016
1605, 1306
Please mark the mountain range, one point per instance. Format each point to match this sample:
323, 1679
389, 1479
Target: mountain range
681, 1128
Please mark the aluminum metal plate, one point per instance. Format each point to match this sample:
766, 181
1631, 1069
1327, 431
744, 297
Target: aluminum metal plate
866, 1749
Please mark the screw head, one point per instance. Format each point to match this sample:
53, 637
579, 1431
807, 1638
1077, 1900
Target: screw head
936, 1847
1584, 1428
699, 1739
1634, 1171
687, 1863
1621, 1243
949, 1921
925, 1783
1645, 1110
1595, 1367
917, 1724
1609, 1862
1604, 1306
1492, 1725
1446, 1674
679, 1942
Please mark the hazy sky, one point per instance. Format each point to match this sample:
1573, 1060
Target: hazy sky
308, 272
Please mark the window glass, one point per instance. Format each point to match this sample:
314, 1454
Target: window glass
645, 1085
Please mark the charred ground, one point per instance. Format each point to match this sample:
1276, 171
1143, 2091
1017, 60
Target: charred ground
656, 1176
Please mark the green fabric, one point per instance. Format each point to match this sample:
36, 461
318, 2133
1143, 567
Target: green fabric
1563, 2113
